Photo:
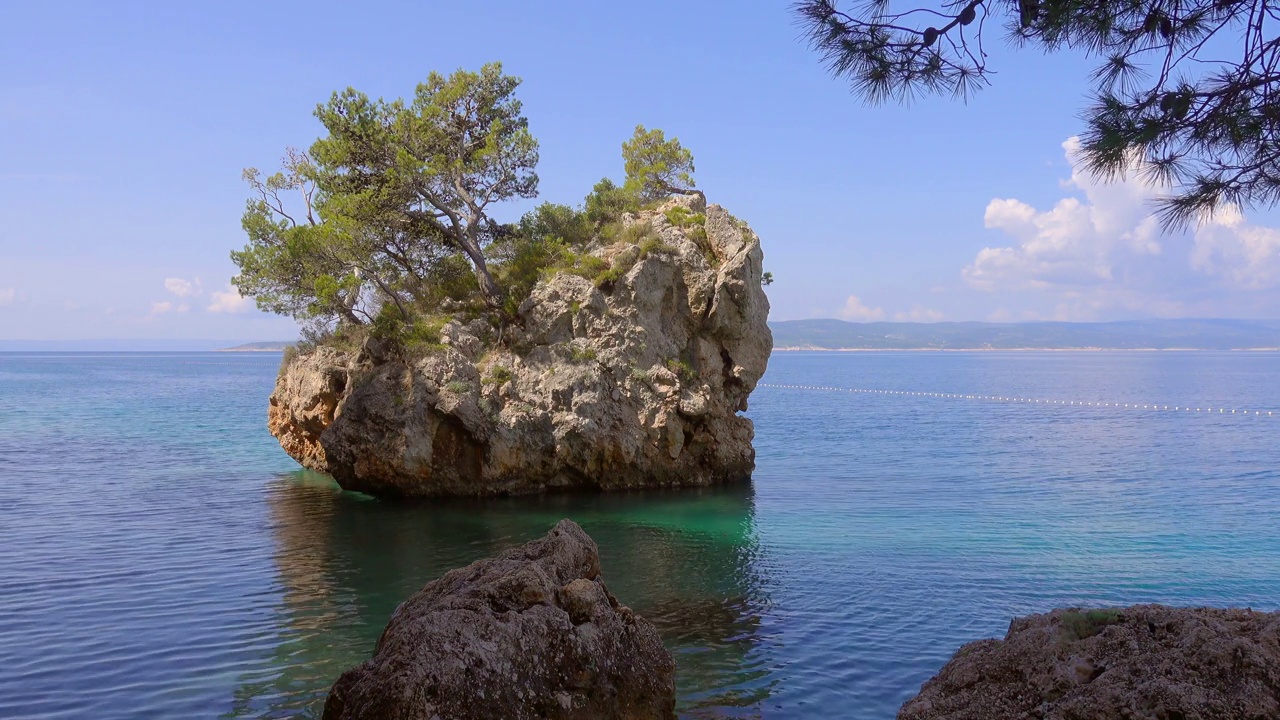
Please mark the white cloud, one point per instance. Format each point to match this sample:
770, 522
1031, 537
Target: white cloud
855, 310
229, 301
1103, 253
1075, 243
7, 296
182, 288
160, 308
1243, 255
919, 313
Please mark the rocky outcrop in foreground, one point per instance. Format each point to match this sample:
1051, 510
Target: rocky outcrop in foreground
1146, 662
531, 633
635, 379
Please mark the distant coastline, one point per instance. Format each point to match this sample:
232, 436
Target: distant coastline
1130, 335
278, 346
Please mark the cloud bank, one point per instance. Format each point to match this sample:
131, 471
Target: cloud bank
182, 288
229, 301
854, 310
160, 308
1104, 255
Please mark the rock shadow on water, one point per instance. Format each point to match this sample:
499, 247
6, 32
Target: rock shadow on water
688, 560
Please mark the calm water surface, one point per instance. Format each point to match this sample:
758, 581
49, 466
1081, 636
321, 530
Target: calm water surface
162, 557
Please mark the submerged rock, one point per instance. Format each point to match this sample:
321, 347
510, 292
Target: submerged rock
633, 381
531, 633
1146, 662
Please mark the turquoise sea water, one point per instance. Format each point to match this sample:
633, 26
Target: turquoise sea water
162, 557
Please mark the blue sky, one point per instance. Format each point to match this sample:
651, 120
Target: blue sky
126, 126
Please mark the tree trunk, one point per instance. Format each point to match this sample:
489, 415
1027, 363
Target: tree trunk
488, 287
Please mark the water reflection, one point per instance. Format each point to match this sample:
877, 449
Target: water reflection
688, 560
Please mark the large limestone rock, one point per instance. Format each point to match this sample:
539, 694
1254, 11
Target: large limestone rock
634, 384
532, 633
1146, 662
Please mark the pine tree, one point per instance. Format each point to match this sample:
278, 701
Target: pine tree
1166, 102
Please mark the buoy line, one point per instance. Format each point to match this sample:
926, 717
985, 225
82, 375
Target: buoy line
1031, 401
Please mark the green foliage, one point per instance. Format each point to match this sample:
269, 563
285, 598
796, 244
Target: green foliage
623, 262
678, 215
423, 334
438, 161
655, 245
682, 369
582, 354
390, 207
644, 240
552, 239
634, 234
389, 324
419, 334
306, 270
1185, 93
656, 167
498, 375
604, 274
548, 240
458, 387
766, 279
382, 230
520, 261
698, 234
449, 279
607, 202
640, 375
582, 265
560, 222
575, 307
681, 216
1081, 624
606, 279
290, 354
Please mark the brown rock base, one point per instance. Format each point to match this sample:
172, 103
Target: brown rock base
531, 633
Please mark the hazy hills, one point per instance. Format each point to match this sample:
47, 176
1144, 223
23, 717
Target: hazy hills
274, 346
1125, 335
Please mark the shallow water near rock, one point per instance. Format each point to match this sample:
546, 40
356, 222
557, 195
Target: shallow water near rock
164, 558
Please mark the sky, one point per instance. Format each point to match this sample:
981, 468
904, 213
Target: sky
125, 127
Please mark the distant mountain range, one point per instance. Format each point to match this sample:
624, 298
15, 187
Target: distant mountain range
115, 345
1125, 335
275, 346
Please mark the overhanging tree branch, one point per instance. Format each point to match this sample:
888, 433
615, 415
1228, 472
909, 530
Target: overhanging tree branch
1163, 103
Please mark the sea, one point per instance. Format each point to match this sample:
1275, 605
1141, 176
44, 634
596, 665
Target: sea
161, 557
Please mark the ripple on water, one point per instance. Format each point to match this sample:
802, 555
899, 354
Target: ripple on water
165, 559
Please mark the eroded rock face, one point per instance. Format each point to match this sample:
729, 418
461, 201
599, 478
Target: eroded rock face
635, 384
304, 403
1146, 662
531, 633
